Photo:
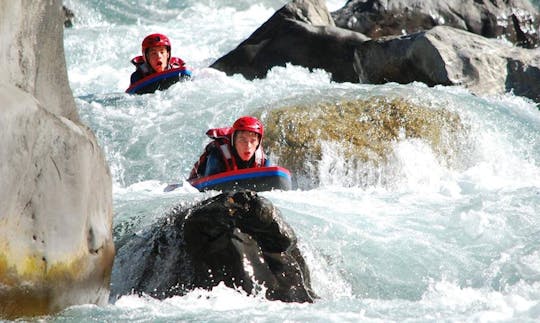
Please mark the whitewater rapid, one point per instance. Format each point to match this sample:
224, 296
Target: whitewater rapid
424, 241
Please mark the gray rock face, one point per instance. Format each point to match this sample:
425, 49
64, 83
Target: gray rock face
448, 56
32, 53
236, 238
438, 55
301, 33
56, 246
515, 20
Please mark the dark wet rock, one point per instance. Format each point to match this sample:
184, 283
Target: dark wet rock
68, 17
301, 33
449, 56
439, 55
236, 238
518, 21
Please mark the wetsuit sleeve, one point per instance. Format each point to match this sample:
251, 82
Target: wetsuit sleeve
214, 163
135, 76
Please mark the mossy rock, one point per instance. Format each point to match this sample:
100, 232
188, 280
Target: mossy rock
364, 129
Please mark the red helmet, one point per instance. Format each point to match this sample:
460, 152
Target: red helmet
249, 124
154, 40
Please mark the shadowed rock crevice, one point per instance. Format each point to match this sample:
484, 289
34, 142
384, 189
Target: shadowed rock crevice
69, 15
523, 79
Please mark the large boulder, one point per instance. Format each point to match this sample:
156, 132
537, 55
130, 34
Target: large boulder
235, 238
518, 21
56, 246
358, 136
301, 33
449, 56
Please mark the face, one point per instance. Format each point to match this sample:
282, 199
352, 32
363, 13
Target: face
246, 143
158, 57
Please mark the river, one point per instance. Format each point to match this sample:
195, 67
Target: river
423, 242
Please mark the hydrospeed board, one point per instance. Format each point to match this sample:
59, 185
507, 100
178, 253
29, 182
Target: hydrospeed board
257, 179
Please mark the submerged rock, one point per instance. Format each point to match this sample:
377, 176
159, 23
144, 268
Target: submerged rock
238, 238
362, 131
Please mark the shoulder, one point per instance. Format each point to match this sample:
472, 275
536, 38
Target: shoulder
142, 70
135, 76
213, 150
177, 62
137, 60
214, 162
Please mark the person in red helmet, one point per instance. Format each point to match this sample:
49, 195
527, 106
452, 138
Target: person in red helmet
156, 58
237, 147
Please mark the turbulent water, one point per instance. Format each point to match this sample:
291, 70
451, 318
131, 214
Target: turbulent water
424, 241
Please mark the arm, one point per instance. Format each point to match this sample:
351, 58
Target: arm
134, 77
142, 70
214, 163
177, 62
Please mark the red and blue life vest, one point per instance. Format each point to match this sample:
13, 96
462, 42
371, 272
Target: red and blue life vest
144, 69
222, 142
146, 80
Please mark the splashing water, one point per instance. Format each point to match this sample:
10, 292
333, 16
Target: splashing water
422, 242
